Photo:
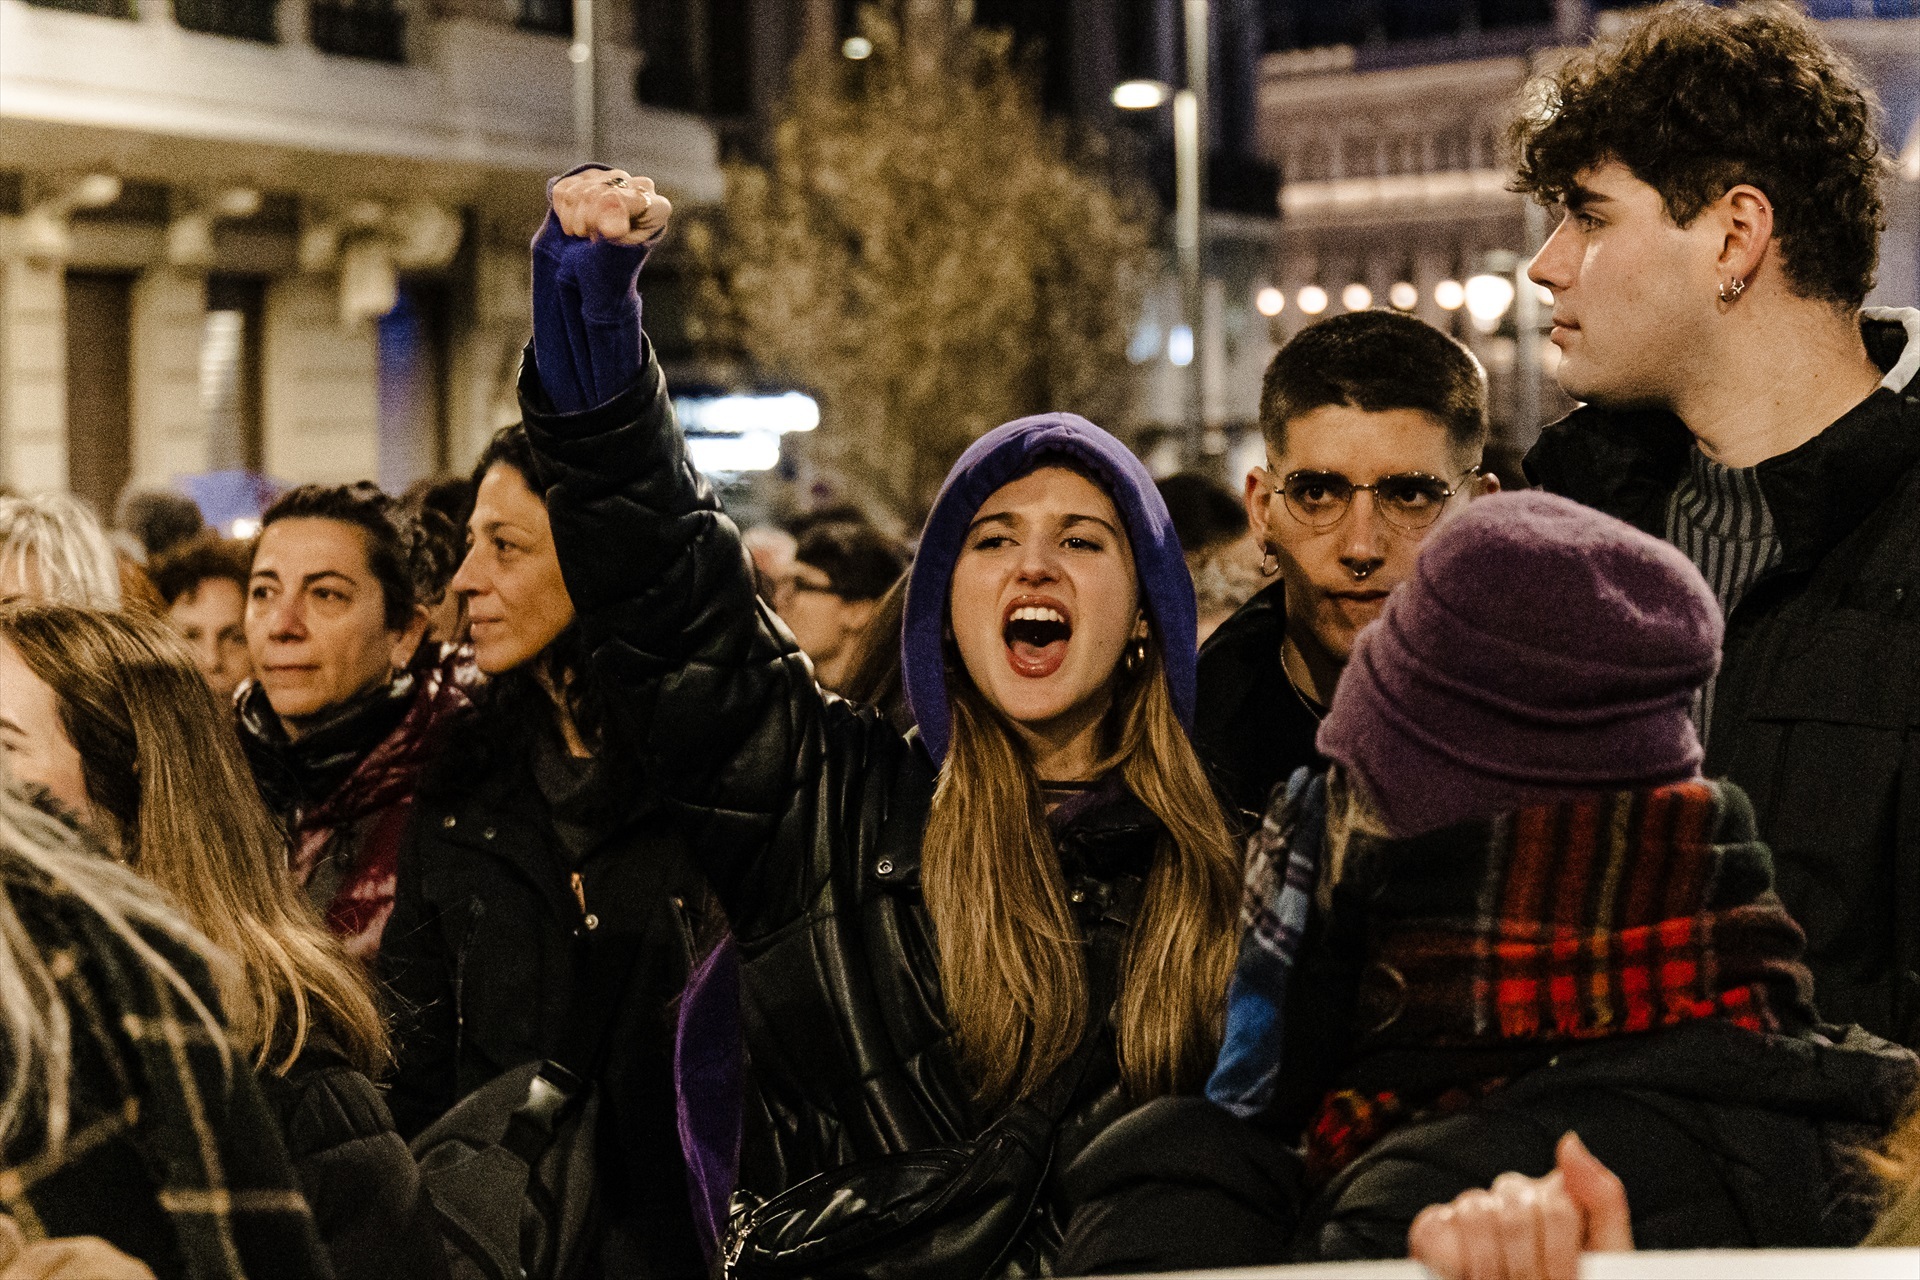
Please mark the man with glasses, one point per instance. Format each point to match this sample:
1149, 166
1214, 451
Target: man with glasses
841, 568
1374, 425
1720, 177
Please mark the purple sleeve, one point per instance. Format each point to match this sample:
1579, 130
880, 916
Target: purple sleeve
586, 314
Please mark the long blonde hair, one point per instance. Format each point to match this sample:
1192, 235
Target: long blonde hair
170, 789
1012, 963
39, 854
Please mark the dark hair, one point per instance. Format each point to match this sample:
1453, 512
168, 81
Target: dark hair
1376, 361
509, 447
873, 673
440, 508
158, 520
397, 550
1203, 510
860, 562
1697, 100
181, 571
516, 695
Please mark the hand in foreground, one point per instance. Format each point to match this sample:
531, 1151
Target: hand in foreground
1527, 1228
69, 1258
610, 204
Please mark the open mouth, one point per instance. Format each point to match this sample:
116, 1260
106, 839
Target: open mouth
1036, 636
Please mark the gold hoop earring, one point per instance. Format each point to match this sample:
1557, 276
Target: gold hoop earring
1135, 655
1270, 563
1731, 290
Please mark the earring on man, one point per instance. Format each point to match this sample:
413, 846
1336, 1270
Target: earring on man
1270, 563
1730, 291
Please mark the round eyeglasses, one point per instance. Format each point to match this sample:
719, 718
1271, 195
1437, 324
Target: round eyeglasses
1409, 501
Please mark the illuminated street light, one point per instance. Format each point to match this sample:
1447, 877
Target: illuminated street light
1270, 301
1139, 95
1488, 298
857, 48
1356, 297
1403, 295
1180, 346
1448, 295
1312, 299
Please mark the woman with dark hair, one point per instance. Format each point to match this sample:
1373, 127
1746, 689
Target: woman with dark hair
156, 775
534, 851
337, 720
203, 585
1023, 916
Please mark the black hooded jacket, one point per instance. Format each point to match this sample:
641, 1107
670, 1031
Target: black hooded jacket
805, 812
1251, 727
1817, 708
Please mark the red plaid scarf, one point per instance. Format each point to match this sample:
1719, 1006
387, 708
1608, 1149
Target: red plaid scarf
1603, 916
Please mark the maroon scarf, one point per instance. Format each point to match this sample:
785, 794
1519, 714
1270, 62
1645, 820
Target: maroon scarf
1604, 916
377, 798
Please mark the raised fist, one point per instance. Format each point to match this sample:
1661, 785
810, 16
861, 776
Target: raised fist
610, 204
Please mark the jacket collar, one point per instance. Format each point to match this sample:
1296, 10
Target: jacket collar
1628, 462
304, 772
1255, 631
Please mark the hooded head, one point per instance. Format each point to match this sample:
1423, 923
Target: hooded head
1003, 455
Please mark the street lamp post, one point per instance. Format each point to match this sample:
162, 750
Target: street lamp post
1190, 107
586, 113
1189, 200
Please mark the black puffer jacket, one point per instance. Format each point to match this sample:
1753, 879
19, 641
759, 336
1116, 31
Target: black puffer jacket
806, 812
1724, 1139
487, 935
354, 1169
1817, 709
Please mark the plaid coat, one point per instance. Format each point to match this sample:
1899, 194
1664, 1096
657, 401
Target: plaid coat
170, 1154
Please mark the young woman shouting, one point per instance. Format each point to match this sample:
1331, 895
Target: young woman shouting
929, 931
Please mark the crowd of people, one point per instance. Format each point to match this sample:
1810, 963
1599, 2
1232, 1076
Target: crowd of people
534, 874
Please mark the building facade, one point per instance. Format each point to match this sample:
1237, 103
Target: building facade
1395, 174
286, 237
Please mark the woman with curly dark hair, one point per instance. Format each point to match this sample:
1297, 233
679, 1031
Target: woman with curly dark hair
339, 719
536, 851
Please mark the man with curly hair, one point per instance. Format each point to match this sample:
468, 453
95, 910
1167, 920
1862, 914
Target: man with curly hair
1720, 177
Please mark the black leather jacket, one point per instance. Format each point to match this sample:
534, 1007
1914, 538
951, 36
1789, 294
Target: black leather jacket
805, 812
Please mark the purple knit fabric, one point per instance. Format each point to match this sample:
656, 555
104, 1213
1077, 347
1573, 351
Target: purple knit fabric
1005, 454
586, 313
1540, 648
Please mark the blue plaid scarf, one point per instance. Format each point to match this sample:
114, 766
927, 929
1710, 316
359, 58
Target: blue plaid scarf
1283, 862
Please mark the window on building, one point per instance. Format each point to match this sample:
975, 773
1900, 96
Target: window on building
230, 372
243, 19
1311, 24
375, 29
552, 16
99, 385
694, 56
98, 8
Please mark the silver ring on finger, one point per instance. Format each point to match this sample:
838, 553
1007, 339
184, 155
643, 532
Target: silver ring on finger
616, 182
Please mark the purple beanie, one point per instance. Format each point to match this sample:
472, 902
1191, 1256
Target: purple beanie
1540, 648
1005, 454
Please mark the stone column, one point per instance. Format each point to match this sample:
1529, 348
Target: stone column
169, 428
33, 374
320, 395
